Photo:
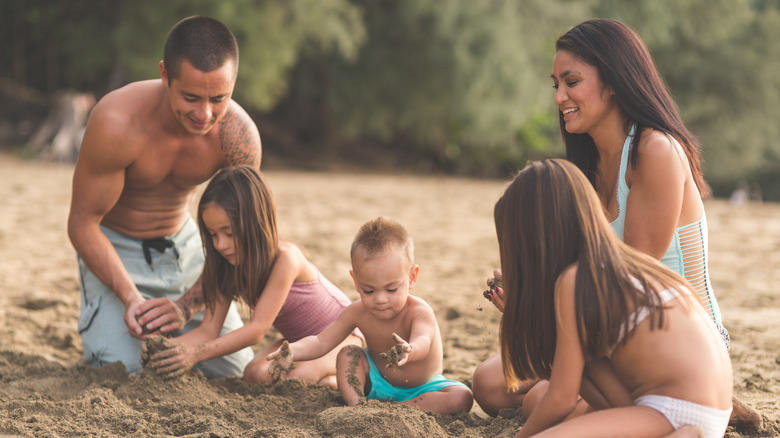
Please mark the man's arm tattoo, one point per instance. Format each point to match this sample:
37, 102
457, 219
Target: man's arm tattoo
239, 138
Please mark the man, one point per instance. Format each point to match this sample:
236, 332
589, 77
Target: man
146, 148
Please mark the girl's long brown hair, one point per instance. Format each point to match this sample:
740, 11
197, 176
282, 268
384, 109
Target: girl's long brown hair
247, 199
548, 219
625, 65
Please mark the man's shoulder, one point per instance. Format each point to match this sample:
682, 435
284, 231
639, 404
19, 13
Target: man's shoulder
239, 137
127, 104
237, 117
133, 92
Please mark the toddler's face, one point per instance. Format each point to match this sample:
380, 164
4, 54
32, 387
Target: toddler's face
383, 282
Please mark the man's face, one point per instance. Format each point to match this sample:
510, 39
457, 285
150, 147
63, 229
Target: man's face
199, 100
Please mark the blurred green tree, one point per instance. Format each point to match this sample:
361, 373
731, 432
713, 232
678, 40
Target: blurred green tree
98, 46
720, 59
459, 86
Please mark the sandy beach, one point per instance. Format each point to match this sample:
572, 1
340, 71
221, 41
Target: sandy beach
46, 390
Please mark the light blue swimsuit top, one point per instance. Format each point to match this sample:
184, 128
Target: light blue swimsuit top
687, 254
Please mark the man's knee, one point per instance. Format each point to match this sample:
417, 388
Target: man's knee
127, 353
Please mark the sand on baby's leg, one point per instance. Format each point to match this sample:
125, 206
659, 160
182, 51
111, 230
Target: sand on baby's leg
351, 373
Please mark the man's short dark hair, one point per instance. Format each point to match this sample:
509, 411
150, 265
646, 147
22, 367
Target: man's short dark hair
205, 42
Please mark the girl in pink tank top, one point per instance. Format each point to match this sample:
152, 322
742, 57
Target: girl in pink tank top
246, 261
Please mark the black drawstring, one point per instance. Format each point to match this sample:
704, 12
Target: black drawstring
159, 244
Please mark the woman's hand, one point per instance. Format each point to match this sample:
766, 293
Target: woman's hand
281, 362
494, 292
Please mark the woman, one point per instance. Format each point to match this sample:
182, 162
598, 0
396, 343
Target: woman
623, 130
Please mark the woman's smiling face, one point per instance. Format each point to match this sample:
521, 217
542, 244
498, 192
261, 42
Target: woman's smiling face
579, 93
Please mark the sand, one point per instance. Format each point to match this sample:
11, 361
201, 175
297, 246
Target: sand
47, 390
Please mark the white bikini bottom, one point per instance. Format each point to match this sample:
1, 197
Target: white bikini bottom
682, 413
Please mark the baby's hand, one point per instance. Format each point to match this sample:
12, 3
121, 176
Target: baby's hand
398, 354
281, 362
495, 292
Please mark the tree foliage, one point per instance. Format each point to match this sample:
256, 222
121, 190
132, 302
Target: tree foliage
98, 46
720, 59
461, 85
453, 82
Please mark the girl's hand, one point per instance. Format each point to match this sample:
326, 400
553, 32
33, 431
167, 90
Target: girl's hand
171, 358
495, 293
281, 362
399, 353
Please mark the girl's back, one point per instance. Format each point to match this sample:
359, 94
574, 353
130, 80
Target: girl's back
668, 360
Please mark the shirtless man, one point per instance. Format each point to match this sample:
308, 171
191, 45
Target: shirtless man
146, 149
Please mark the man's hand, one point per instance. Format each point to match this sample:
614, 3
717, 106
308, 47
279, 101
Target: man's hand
281, 362
160, 316
163, 316
131, 310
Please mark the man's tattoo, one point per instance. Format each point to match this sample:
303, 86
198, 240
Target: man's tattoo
238, 140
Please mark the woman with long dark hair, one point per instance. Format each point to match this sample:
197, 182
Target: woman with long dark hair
596, 318
624, 131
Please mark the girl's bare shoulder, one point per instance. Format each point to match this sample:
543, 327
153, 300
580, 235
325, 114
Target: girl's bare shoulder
292, 250
292, 257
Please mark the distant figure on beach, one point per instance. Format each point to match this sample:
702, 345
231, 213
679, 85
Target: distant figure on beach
755, 193
246, 260
623, 131
402, 361
146, 148
598, 319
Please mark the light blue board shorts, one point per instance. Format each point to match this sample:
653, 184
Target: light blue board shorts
381, 389
101, 324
